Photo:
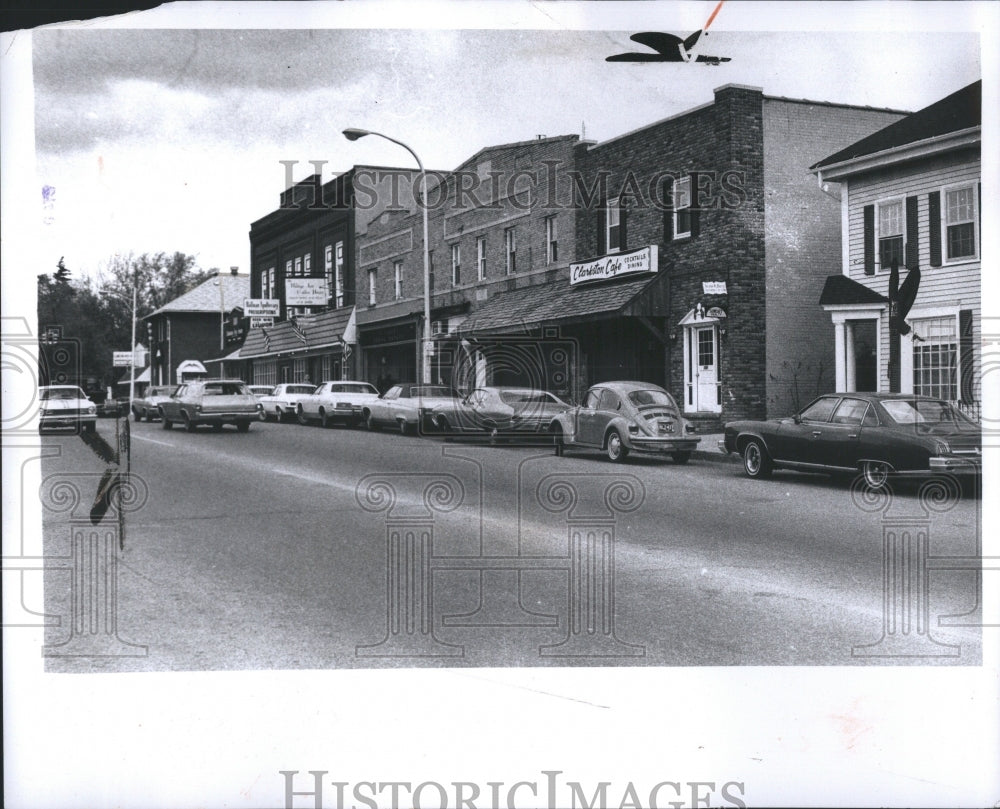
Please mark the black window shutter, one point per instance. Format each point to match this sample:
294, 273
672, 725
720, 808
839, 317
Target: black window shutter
912, 239
695, 213
668, 209
934, 223
869, 214
602, 229
622, 224
966, 394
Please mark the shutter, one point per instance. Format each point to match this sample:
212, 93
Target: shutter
622, 217
668, 209
965, 362
912, 253
934, 223
869, 236
695, 213
602, 229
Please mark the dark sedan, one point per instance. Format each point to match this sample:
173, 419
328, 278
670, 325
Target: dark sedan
879, 435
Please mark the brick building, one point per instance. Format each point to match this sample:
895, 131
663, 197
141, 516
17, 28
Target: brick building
729, 240
303, 254
911, 192
197, 328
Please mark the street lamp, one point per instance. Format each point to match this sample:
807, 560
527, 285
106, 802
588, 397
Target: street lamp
354, 134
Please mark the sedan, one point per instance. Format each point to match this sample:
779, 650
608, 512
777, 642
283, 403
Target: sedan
336, 402
499, 411
405, 406
880, 435
66, 406
619, 417
282, 401
210, 401
148, 405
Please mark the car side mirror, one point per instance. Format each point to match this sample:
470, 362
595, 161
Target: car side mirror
797, 418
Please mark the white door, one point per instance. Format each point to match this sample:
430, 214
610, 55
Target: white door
704, 361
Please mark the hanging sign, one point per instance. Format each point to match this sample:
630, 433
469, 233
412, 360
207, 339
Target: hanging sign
614, 265
306, 292
261, 307
713, 287
261, 322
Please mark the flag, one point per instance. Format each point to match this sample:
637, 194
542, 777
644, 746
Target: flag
299, 331
267, 339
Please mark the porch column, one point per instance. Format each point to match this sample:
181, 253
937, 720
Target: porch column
839, 353
849, 358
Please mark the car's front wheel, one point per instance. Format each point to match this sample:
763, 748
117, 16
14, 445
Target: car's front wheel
323, 420
875, 474
243, 426
302, 416
756, 461
188, 424
615, 448
558, 442
165, 422
137, 415
262, 414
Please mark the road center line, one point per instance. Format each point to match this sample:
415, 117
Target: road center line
154, 441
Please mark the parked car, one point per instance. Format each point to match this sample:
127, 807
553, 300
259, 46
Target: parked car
336, 403
66, 406
147, 406
260, 391
621, 417
210, 401
282, 400
405, 406
499, 412
112, 408
879, 434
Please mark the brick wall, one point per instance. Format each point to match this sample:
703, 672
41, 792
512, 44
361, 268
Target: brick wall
803, 242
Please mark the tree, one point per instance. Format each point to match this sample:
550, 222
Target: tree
98, 314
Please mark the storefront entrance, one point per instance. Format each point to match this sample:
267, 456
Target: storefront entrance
701, 364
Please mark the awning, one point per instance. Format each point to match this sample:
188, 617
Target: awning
127, 378
840, 290
307, 333
231, 357
559, 302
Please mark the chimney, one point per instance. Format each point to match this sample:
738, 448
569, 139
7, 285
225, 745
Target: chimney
234, 270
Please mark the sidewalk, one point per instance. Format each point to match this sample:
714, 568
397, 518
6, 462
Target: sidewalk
708, 450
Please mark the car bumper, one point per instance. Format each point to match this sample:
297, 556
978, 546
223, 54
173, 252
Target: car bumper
52, 422
665, 444
722, 446
228, 416
949, 464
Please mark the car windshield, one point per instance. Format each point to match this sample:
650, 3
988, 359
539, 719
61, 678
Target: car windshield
299, 389
62, 393
429, 390
929, 412
522, 397
225, 389
651, 398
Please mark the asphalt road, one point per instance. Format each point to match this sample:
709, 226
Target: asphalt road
269, 551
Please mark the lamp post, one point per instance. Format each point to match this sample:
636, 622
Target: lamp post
131, 366
354, 134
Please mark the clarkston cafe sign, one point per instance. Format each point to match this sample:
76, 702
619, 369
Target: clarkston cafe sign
614, 265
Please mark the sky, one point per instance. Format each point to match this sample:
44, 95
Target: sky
172, 139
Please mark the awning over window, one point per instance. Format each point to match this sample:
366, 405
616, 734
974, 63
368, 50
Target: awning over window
306, 333
558, 302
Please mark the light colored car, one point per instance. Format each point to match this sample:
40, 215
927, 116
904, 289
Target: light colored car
499, 412
66, 406
282, 400
619, 417
210, 401
260, 391
336, 403
148, 405
404, 406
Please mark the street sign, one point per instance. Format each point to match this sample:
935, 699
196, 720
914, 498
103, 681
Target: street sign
261, 307
261, 322
122, 359
306, 292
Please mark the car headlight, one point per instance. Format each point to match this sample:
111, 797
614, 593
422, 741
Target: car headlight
92, 409
942, 448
